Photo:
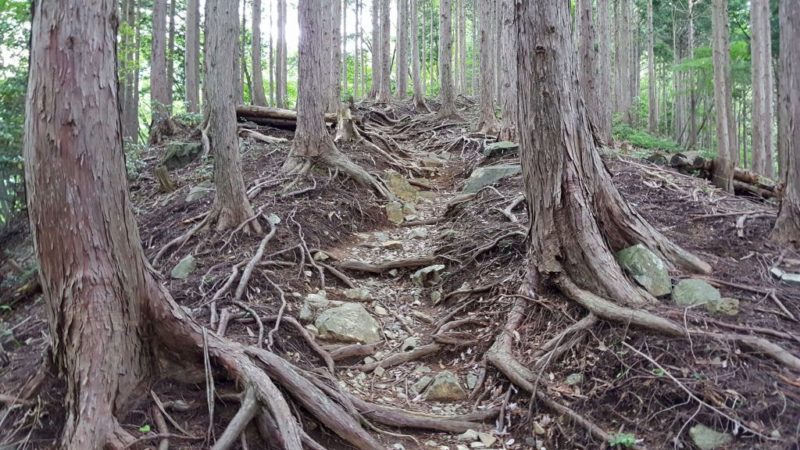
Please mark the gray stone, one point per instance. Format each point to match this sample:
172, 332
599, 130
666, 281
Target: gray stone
726, 306
574, 378
428, 276
793, 278
184, 268
445, 388
181, 154
472, 381
360, 294
199, 192
321, 256
694, 292
313, 305
706, 438
392, 245
348, 323
468, 436
381, 311
436, 296
421, 384
448, 233
646, 268
410, 343
394, 212
400, 187
487, 439
484, 176
499, 148
419, 233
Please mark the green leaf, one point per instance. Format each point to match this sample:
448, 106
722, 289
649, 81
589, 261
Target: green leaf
144, 428
622, 439
659, 372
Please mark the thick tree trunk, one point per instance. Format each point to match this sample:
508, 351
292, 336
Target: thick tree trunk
419, 97
578, 218
508, 72
402, 49
280, 64
424, 44
259, 97
93, 273
727, 148
446, 90
761, 63
488, 122
159, 92
462, 46
376, 48
691, 141
652, 116
385, 92
231, 206
193, 56
587, 50
787, 227
604, 89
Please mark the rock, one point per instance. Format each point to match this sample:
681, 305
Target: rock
487, 439
410, 343
392, 245
421, 384
707, 439
694, 292
199, 192
499, 148
472, 381
394, 212
313, 305
573, 379
361, 294
445, 388
646, 268
419, 233
436, 296
468, 436
381, 311
793, 278
448, 233
312, 329
400, 187
726, 306
428, 276
348, 323
184, 268
379, 371
181, 154
321, 256
484, 176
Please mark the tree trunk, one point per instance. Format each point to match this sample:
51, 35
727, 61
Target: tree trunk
424, 43
787, 227
385, 92
159, 92
761, 63
691, 141
578, 219
335, 64
193, 56
376, 49
171, 55
508, 72
723, 99
588, 60
475, 53
280, 64
92, 269
271, 58
462, 46
419, 97
231, 206
488, 122
402, 49
446, 90
652, 116
259, 97
130, 103
604, 89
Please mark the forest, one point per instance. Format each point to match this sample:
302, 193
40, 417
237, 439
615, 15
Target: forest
399, 224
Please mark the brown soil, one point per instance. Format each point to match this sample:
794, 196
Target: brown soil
484, 252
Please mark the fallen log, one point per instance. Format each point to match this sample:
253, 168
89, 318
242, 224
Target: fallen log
282, 116
745, 181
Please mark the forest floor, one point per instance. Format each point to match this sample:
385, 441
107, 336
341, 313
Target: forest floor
336, 245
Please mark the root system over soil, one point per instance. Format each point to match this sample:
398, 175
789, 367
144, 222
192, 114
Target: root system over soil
560, 368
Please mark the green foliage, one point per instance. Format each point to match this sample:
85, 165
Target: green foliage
643, 139
626, 440
144, 429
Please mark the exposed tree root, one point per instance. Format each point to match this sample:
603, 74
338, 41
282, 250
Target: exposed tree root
335, 159
403, 357
248, 270
378, 268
